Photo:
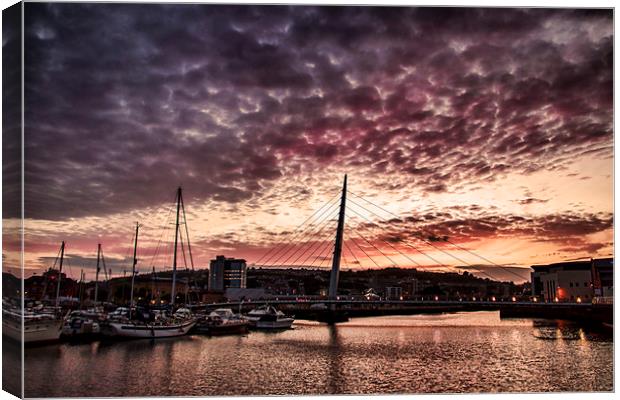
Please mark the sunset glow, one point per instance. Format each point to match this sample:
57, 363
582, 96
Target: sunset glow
483, 137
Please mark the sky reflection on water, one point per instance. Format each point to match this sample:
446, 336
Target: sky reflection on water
447, 353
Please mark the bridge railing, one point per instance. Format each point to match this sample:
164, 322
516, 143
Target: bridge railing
402, 303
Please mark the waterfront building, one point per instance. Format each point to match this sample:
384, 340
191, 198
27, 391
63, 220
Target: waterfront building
212, 297
238, 294
147, 288
40, 287
563, 282
603, 277
418, 286
393, 293
227, 273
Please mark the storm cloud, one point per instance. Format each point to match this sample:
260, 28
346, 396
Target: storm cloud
126, 102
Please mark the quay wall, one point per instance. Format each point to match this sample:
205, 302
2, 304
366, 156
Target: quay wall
581, 312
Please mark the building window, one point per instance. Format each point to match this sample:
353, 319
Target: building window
570, 284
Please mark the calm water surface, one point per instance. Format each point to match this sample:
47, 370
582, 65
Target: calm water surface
448, 353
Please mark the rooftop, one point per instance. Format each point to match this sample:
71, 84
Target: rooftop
574, 265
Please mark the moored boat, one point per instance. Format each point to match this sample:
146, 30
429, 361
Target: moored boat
139, 323
222, 322
81, 325
36, 324
38, 327
155, 329
267, 317
136, 323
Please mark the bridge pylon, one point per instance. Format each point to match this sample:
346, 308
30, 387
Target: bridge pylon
333, 281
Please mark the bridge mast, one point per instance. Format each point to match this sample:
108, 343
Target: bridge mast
333, 281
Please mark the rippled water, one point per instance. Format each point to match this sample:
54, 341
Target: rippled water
448, 353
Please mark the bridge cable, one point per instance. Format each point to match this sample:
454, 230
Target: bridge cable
301, 240
309, 236
428, 243
383, 240
320, 246
323, 245
299, 226
281, 247
447, 240
394, 263
352, 253
396, 249
326, 257
364, 251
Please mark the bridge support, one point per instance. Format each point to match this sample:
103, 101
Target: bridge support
333, 281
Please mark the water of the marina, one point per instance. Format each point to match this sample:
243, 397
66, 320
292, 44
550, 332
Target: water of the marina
448, 353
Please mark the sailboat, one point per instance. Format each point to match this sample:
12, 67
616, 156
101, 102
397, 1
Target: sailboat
36, 324
82, 324
146, 324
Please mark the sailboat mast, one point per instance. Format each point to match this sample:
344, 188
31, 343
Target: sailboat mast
62, 256
81, 288
97, 273
133, 269
153, 285
176, 241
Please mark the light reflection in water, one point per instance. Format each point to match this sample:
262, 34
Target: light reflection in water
455, 353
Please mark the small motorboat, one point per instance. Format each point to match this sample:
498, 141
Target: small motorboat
223, 322
267, 317
81, 325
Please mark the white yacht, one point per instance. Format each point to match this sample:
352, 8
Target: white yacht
267, 317
223, 321
40, 323
159, 328
38, 327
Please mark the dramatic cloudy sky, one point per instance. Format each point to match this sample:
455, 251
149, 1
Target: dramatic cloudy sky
491, 127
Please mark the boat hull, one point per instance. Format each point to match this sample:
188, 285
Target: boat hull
130, 330
84, 330
37, 332
281, 323
223, 329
